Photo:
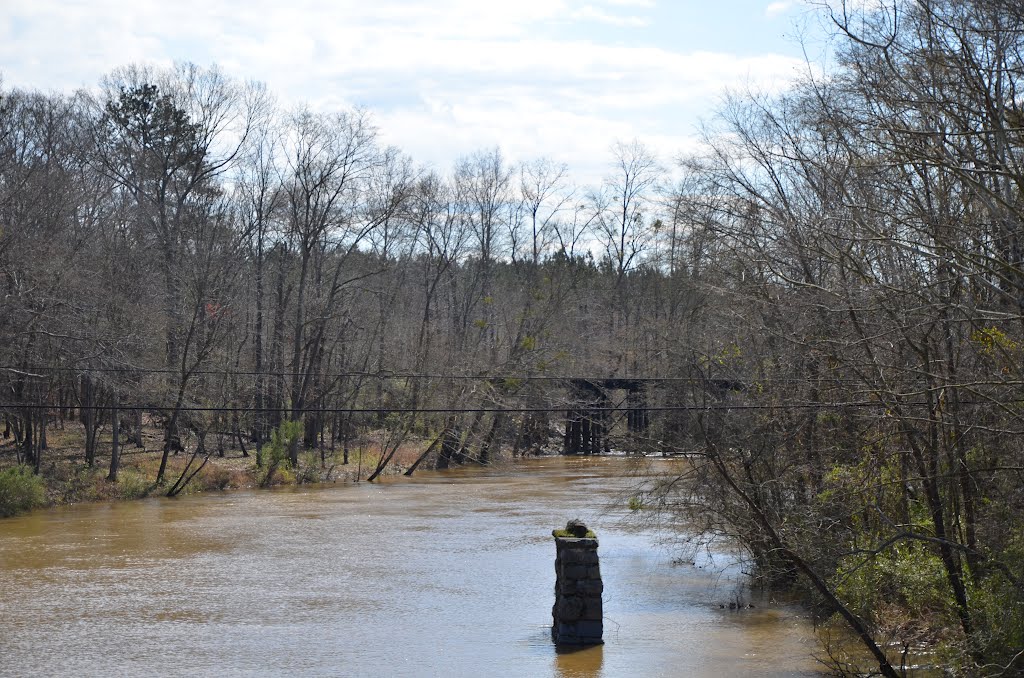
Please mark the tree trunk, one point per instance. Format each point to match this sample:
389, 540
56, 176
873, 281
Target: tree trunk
136, 432
485, 448
115, 441
430, 448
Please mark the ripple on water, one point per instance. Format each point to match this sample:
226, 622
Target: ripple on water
445, 574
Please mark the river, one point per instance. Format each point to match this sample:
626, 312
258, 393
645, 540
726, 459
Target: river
443, 574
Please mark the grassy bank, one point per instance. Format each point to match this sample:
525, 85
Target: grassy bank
65, 477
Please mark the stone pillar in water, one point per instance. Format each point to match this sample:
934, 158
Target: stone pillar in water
577, 614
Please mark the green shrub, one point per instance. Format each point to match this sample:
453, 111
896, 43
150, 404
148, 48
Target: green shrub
20, 490
133, 485
81, 484
309, 469
275, 453
909, 574
998, 604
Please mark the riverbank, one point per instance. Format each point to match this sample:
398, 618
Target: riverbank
66, 478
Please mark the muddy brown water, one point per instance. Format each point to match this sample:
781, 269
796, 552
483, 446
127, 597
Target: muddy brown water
443, 574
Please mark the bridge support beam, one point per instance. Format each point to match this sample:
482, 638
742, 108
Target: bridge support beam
637, 415
585, 432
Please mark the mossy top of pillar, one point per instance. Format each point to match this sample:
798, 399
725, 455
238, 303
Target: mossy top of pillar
574, 529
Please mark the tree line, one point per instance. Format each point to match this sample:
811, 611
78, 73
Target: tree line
178, 247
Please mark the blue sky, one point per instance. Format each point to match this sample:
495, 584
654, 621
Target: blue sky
557, 78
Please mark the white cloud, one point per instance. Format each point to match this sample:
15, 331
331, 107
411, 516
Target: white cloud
442, 78
591, 13
631, 3
777, 8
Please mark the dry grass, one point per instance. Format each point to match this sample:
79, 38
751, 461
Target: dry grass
70, 480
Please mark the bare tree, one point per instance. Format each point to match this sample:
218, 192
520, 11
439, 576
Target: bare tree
544, 194
623, 206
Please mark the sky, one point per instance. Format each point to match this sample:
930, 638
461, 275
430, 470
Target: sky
563, 79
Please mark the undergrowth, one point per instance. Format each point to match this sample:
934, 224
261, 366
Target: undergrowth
21, 490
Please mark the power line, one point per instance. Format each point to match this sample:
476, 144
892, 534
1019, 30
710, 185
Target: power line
24, 371
576, 409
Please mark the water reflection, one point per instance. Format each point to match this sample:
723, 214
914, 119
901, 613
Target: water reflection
578, 662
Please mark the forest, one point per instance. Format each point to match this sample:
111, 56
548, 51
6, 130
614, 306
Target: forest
821, 310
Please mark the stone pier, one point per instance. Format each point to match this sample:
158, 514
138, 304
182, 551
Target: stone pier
577, 613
